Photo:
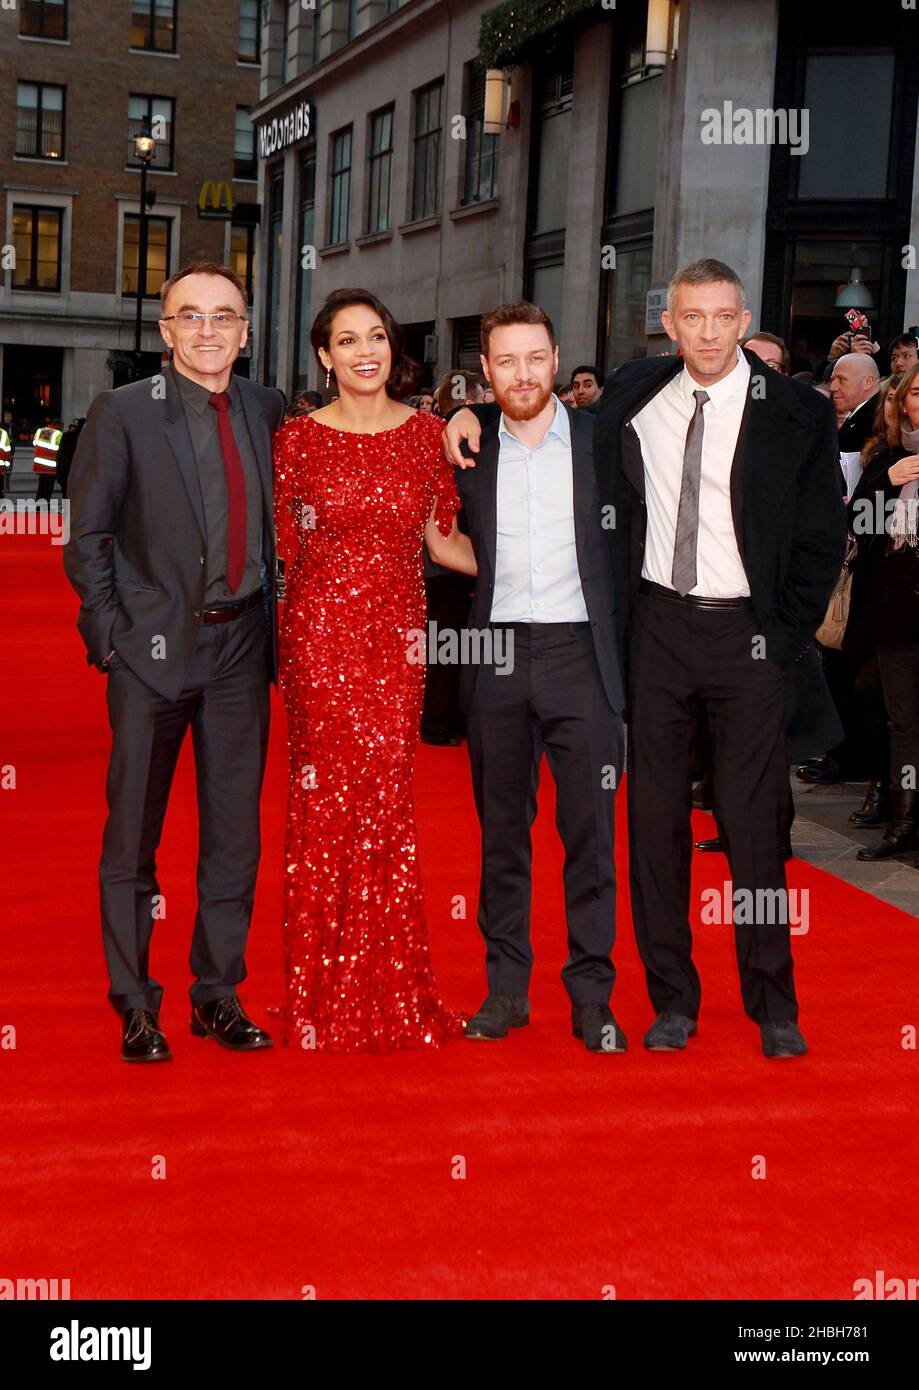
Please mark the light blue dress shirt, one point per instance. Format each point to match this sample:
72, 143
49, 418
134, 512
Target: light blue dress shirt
536, 563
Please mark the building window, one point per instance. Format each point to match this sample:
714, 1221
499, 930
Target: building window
244, 162
250, 32
153, 25
553, 117
426, 152
37, 235
380, 170
392, 6
481, 171
40, 120
158, 115
242, 254
159, 236
467, 343
340, 186
44, 19
305, 279
626, 337
847, 156
352, 18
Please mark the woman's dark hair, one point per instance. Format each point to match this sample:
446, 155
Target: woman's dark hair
405, 371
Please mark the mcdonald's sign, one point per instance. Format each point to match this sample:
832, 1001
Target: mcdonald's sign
215, 201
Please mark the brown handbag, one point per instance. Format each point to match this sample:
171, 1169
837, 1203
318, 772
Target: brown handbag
833, 628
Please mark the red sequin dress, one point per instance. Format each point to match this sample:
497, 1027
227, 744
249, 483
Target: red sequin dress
351, 510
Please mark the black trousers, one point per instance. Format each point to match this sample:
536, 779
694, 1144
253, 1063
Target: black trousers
682, 654
900, 675
553, 700
855, 686
225, 702
448, 600
45, 487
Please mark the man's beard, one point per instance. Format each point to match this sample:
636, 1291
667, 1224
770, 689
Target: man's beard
516, 409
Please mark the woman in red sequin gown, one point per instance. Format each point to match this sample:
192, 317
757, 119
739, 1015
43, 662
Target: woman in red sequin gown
352, 508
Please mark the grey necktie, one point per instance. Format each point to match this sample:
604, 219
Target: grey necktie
683, 575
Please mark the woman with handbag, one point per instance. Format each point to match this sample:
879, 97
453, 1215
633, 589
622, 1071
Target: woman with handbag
884, 608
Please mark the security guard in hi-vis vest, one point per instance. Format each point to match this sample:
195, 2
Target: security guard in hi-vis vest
45, 443
6, 457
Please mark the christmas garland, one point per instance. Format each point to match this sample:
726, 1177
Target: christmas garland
507, 31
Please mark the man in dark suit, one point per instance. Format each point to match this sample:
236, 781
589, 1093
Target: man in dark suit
549, 679
172, 553
729, 537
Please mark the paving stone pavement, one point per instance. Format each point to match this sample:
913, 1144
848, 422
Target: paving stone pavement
823, 836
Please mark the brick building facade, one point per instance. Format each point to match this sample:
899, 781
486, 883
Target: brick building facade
79, 81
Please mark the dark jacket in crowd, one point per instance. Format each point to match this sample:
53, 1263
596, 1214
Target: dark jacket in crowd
884, 602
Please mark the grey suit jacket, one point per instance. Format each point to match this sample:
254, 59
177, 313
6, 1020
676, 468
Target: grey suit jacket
137, 553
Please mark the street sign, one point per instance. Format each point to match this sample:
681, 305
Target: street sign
655, 303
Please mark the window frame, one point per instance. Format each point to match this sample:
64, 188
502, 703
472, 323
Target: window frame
39, 125
251, 164
151, 9
432, 135
338, 174
374, 159
131, 217
153, 167
476, 114
257, 60
61, 8
32, 287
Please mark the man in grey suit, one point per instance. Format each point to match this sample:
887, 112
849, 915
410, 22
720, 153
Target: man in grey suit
172, 553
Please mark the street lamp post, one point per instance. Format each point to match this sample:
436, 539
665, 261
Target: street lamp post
144, 147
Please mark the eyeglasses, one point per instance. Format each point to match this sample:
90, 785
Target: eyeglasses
194, 320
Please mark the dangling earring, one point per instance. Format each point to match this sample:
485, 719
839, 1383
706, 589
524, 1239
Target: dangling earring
328, 375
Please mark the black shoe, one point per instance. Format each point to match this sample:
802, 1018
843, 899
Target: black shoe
702, 794
902, 834
821, 772
226, 1020
141, 1039
782, 1040
595, 1026
498, 1013
715, 846
669, 1033
876, 807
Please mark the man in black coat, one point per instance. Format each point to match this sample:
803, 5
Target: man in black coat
729, 535
172, 553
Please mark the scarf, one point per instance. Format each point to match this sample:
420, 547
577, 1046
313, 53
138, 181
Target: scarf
903, 528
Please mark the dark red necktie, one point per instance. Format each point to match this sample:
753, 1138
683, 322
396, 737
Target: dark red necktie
236, 492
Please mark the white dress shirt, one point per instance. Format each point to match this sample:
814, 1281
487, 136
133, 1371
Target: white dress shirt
536, 564
661, 427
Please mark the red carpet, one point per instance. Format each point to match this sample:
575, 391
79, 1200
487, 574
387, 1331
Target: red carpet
292, 1169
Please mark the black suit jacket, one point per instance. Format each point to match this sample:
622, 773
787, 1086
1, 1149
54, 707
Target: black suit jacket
855, 432
789, 517
137, 552
478, 489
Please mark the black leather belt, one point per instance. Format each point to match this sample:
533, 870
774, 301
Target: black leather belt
229, 611
647, 586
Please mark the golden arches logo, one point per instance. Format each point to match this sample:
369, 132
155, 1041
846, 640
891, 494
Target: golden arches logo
216, 195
